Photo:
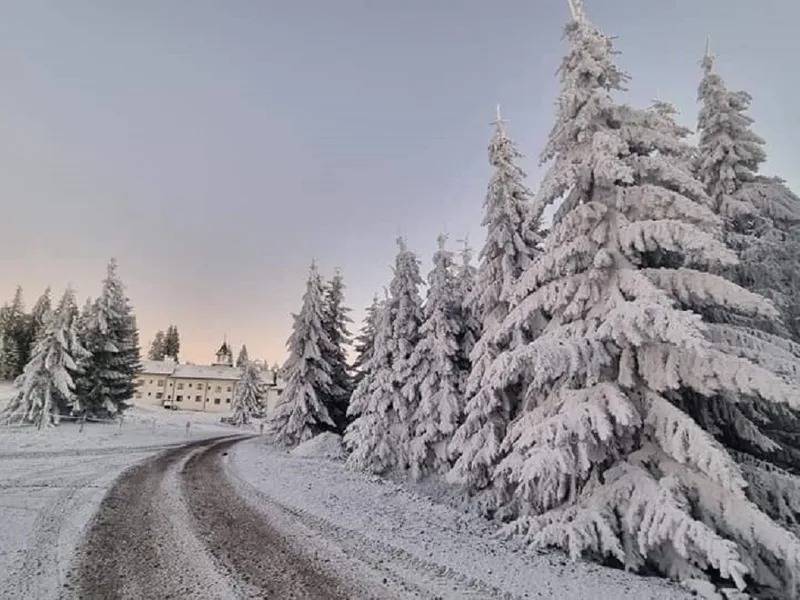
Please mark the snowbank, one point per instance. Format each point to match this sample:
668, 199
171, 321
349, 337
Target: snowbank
430, 548
325, 445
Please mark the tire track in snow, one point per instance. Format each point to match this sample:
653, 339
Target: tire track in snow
414, 575
41, 573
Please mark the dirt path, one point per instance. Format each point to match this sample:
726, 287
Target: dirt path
175, 527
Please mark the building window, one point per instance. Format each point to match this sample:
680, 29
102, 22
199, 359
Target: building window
216, 401
150, 382
198, 398
160, 383
227, 400
170, 384
219, 388
180, 386
159, 395
178, 398
149, 393
229, 388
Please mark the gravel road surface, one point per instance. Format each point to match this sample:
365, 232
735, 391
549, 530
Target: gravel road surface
174, 526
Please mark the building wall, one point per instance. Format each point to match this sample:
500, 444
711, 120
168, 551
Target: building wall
194, 394
151, 389
209, 395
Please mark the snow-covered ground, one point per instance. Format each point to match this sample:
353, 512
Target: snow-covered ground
52, 481
404, 535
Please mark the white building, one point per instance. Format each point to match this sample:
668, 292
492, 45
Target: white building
207, 388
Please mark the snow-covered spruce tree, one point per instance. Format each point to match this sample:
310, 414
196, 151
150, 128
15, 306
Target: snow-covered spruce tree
512, 238
39, 315
172, 343
387, 397
109, 333
249, 395
46, 385
470, 326
438, 360
336, 321
243, 357
603, 461
14, 330
157, 349
365, 342
761, 215
301, 411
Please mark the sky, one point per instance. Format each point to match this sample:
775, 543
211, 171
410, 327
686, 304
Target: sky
216, 148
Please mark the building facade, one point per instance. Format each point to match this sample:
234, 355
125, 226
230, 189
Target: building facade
205, 388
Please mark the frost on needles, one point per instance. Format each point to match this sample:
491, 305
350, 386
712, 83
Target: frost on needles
302, 410
512, 237
387, 396
606, 459
437, 361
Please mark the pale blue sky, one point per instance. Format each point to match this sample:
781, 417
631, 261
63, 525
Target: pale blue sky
215, 147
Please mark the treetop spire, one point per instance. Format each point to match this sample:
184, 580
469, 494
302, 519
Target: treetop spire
576, 8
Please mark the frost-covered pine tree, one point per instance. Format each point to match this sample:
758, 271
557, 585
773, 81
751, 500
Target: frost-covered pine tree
437, 358
46, 385
387, 397
157, 350
109, 333
39, 316
301, 411
606, 460
761, 215
470, 326
336, 321
172, 343
14, 330
243, 357
249, 395
364, 342
512, 238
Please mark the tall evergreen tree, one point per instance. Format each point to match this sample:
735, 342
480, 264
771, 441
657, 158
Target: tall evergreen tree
512, 236
761, 215
470, 326
47, 386
243, 357
172, 343
158, 348
111, 336
301, 411
387, 397
606, 459
364, 342
249, 395
336, 321
38, 317
16, 336
437, 358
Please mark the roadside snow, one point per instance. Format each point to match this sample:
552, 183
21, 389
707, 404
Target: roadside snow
430, 547
325, 445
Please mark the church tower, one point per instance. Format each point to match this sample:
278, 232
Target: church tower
224, 355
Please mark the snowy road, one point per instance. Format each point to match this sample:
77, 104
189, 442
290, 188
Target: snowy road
174, 526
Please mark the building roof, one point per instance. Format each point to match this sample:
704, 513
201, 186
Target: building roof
157, 367
207, 372
225, 349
